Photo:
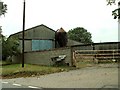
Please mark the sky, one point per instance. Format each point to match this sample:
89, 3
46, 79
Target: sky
93, 15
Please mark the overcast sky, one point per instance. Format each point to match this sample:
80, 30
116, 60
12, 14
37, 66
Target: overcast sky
93, 15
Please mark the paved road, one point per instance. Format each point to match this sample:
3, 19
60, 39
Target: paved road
11, 86
104, 76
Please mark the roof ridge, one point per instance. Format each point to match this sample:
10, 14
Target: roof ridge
32, 28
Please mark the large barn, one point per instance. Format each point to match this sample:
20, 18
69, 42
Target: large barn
40, 46
39, 37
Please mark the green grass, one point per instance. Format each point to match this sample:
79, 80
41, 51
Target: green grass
4, 62
16, 70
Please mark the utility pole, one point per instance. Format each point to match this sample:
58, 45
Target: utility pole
23, 34
118, 35
119, 30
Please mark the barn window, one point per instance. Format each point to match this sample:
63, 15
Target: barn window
41, 45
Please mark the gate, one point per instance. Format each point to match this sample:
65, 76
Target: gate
95, 56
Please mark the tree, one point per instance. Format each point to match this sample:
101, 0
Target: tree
9, 47
116, 12
3, 8
80, 34
110, 2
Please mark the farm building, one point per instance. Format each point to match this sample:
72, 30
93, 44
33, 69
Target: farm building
40, 38
37, 38
41, 47
39, 41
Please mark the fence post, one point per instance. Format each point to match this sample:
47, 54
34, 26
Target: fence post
71, 55
93, 48
113, 59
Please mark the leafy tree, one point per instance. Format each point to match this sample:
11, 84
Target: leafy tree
80, 34
110, 2
3, 8
116, 12
9, 47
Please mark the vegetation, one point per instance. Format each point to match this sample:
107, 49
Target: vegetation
3, 63
116, 12
110, 2
9, 47
3, 8
80, 34
15, 70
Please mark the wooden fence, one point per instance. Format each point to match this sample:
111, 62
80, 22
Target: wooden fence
93, 55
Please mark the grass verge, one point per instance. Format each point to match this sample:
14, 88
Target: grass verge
2, 63
16, 70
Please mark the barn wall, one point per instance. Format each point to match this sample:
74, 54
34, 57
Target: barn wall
99, 46
27, 45
82, 48
44, 57
43, 33
106, 46
17, 59
40, 32
42, 45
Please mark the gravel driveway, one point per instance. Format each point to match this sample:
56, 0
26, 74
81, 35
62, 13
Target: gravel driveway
100, 76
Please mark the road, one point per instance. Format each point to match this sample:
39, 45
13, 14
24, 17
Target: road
102, 76
11, 86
